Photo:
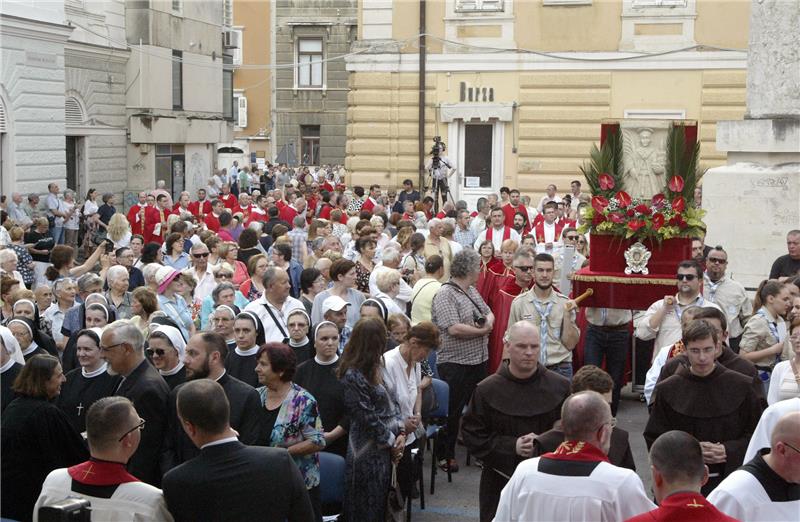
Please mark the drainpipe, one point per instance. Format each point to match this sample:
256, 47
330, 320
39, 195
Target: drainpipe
421, 135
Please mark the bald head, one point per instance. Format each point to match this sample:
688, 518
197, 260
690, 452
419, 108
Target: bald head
582, 416
521, 330
785, 448
786, 430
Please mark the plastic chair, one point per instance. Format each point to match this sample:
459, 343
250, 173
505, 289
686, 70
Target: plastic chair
331, 481
432, 364
437, 425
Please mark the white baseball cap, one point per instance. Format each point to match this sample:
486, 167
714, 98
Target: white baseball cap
334, 303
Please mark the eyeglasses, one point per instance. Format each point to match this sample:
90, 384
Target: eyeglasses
198, 256
139, 426
789, 445
155, 351
524, 268
109, 348
717, 261
685, 277
581, 241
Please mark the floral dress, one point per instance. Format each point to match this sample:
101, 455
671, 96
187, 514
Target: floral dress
374, 423
362, 277
24, 263
298, 420
90, 222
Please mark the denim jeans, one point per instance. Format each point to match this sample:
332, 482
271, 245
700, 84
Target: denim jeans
613, 346
564, 369
58, 235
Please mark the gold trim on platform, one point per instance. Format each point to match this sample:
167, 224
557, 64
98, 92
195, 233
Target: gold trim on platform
623, 280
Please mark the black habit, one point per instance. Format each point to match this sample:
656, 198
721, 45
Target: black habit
176, 379
322, 382
234, 482
6, 381
502, 409
36, 439
242, 368
619, 454
303, 352
720, 407
148, 392
80, 392
730, 360
246, 418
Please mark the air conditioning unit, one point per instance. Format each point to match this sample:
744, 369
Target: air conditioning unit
231, 39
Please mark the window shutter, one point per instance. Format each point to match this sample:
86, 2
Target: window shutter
2, 117
74, 113
242, 116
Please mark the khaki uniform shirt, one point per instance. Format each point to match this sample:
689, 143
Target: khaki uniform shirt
731, 297
443, 249
758, 335
523, 307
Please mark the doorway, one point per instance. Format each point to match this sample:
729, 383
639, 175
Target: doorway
170, 168
478, 156
477, 149
76, 172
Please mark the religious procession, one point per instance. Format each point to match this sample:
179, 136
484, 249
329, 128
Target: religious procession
562, 285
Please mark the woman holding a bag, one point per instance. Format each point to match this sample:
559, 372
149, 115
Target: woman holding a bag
90, 222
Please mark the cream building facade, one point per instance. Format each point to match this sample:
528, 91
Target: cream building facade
518, 88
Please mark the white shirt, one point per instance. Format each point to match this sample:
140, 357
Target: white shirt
478, 224
131, 501
547, 199
669, 332
205, 283
743, 497
497, 238
272, 332
53, 203
731, 297
655, 370
763, 432
782, 383
609, 493
388, 302
400, 385
455, 246
56, 317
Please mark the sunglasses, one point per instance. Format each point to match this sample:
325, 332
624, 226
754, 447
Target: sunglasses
572, 238
685, 277
524, 268
717, 261
155, 351
224, 276
198, 256
139, 426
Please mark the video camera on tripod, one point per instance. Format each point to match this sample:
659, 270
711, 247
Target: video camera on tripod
438, 171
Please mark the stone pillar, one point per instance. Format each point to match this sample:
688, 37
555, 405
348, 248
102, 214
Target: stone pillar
755, 199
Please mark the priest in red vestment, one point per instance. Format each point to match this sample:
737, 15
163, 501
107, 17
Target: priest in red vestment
489, 266
499, 301
200, 208
136, 216
548, 231
512, 207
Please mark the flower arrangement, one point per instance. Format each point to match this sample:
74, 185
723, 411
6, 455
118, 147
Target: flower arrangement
668, 214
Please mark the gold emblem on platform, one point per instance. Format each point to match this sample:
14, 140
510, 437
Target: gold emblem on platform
637, 256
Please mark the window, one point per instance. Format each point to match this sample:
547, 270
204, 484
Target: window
309, 144
227, 87
240, 110
177, 79
659, 3
177, 5
309, 62
463, 6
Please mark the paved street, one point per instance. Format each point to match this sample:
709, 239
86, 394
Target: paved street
459, 499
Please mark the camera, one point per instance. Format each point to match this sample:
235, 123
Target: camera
479, 320
70, 509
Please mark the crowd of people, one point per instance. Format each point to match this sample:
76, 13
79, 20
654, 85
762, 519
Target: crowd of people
199, 358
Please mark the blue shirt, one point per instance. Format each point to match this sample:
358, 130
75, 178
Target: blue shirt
178, 311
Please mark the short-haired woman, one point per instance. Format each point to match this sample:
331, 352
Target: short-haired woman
343, 276
291, 415
36, 437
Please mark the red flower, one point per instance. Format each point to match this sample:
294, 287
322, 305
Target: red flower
616, 217
636, 224
676, 184
658, 220
606, 181
598, 218
642, 209
678, 204
623, 198
630, 212
599, 203
658, 200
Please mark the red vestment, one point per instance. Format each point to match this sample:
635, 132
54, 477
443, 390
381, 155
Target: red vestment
368, 205
288, 213
137, 224
200, 210
500, 304
151, 219
509, 210
539, 231
325, 211
212, 222
684, 506
229, 200
485, 283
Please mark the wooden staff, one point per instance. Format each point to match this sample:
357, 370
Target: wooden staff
575, 302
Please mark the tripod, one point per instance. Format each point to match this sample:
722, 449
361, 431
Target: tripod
440, 187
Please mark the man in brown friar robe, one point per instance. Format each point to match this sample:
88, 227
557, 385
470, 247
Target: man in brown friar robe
725, 356
719, 407
500, 301
508, 410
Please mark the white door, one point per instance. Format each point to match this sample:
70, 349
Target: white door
479, 156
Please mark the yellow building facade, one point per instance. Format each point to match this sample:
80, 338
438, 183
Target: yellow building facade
518, 88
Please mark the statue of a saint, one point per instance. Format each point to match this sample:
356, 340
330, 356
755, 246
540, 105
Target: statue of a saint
644, 165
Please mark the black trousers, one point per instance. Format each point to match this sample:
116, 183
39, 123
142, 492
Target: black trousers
405, 470
462, 379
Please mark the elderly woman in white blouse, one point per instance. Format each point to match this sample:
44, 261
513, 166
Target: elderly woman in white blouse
8, 266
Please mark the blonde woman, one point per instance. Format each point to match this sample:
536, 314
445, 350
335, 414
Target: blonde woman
119, 231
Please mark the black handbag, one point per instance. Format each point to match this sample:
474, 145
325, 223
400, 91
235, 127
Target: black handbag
395, 502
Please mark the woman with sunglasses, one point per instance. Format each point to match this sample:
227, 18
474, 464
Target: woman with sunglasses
89, 383
36, 437
165, 347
